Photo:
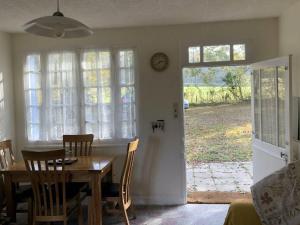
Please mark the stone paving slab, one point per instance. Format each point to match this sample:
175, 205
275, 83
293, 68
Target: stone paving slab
224, 177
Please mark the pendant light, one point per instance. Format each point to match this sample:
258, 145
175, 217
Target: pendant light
57, 26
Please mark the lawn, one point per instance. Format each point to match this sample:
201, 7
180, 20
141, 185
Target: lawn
220, 133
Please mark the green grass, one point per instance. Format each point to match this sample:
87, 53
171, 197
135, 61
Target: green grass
218, 133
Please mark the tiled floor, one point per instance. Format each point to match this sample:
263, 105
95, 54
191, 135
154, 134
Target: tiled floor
224, 177
190, 214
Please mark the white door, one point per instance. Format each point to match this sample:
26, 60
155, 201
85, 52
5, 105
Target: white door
271, 116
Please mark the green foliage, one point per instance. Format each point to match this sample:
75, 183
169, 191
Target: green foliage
235, 79
213, 95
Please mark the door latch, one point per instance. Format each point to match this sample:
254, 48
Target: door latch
285, 157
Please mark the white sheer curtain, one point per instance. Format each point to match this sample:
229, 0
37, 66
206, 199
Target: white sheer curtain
127, 105
98, 99
3, 134
62, 108
96, 96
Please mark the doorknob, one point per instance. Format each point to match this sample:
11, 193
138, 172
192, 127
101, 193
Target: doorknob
284, 156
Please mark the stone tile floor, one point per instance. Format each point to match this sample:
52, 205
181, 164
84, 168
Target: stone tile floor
223, 177
190, 214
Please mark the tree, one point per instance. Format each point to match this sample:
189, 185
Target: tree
235, 79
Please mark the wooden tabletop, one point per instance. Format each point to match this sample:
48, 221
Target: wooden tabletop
83, 164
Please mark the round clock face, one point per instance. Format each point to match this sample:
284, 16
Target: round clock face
159, 61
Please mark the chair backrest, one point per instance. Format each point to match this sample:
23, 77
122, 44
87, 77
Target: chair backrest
127, 173
6, 154
6, 158
48, 181
78, 145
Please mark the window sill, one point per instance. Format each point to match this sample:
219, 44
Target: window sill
96, 144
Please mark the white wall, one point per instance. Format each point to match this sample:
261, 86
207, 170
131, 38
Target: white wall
160, 166
289, 43
6, 69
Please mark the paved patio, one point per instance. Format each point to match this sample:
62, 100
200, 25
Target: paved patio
223, 177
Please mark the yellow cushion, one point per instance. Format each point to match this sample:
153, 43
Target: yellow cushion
242, 212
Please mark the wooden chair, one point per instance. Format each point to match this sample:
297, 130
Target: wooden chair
78, 145
52, 202
23, 192
119, 194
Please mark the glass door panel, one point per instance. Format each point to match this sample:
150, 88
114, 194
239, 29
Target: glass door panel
268, 105
281, 106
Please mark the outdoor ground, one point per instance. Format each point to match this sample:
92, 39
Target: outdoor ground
219, 133
218, 148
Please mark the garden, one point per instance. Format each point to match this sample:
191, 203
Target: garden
218, 121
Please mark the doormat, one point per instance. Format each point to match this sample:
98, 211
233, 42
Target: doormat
216, 197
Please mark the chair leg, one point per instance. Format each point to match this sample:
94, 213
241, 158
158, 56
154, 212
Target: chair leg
30, 211
125, 216
90, 212
80, 218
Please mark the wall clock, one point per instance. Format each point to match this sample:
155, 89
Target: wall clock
159, 61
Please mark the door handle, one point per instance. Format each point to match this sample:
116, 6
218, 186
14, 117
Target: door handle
285, 157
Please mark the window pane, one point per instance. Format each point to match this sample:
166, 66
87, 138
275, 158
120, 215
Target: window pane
33, 132
105, 95
217, 53
126, 76
91, 114
62, 92
256, 95
92, 128
268, 105
33, 98
105, 113
32, 63
56, 96
194, 55
239, 52
89, 60
91, 96
105, 131
90, 78
281, 106
32, 81
33, 115
126, 58
104, 60
127, 94
104, 77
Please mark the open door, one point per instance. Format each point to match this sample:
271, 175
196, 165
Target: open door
271, 116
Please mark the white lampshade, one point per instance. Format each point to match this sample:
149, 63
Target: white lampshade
57, 27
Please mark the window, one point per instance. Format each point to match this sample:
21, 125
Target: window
62, 95
2, 112
33, 96
97, 83
194, 55
239, 52
269, 105
217, 53
127, 112
95, 96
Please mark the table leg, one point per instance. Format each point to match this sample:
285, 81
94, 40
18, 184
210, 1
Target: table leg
96, 197
10, 196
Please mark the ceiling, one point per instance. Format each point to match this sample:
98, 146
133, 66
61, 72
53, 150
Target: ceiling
124, 13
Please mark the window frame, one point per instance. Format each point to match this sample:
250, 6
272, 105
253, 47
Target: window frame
78, 53
231, 62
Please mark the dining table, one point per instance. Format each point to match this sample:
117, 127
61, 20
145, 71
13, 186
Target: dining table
89, 169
